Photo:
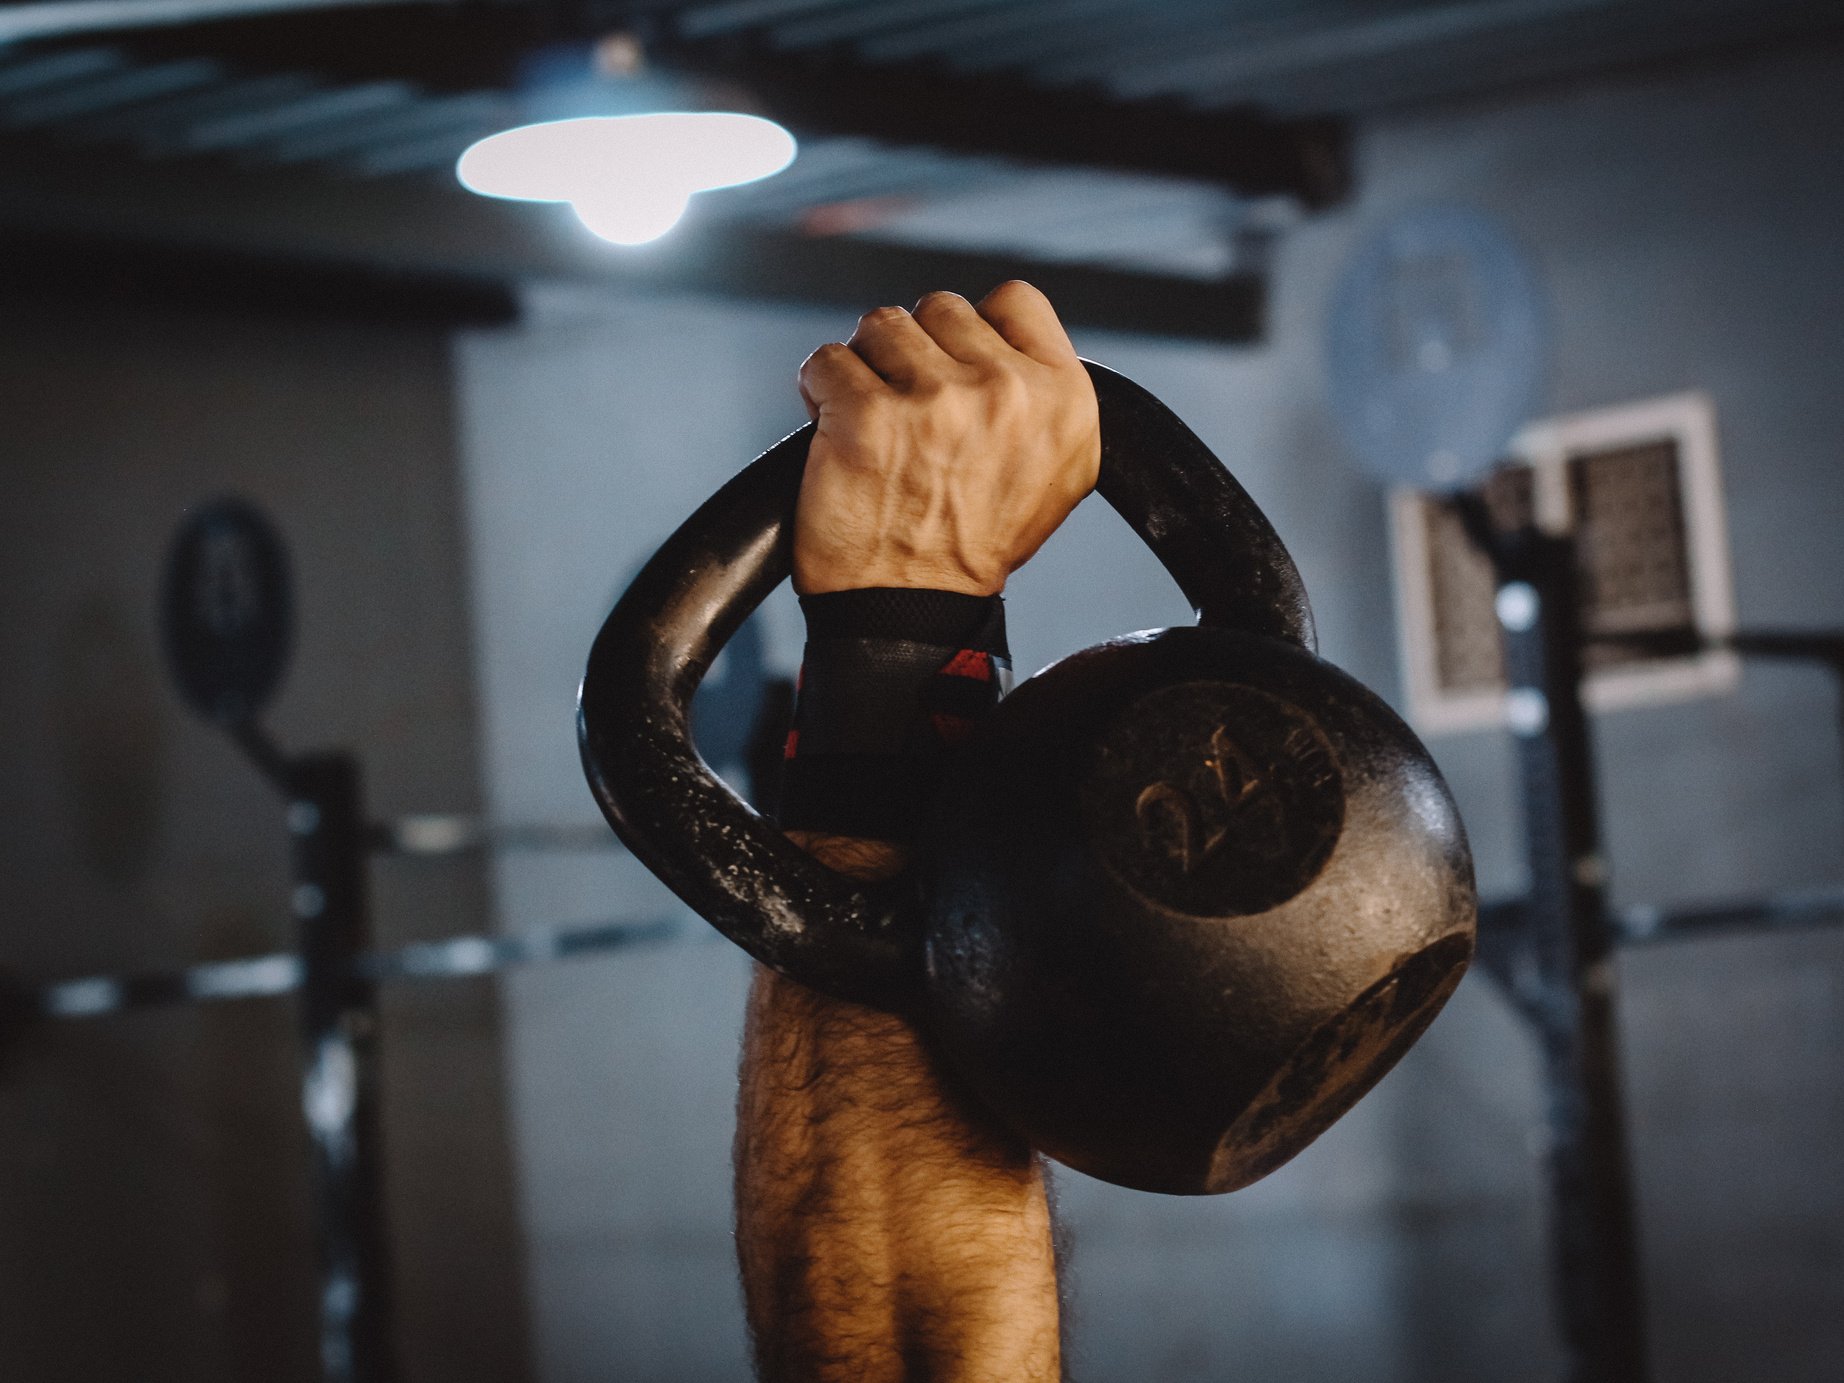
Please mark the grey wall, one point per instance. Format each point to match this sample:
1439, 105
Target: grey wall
153, 1197
1685, 226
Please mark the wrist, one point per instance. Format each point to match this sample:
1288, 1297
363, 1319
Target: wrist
893, 679
822, 576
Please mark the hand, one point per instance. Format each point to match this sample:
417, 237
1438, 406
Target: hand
951, 443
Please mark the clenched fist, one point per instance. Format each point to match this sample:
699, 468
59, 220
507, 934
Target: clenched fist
951, 442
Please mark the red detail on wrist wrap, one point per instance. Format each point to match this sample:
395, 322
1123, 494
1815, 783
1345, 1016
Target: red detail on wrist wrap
892, 683
969, 662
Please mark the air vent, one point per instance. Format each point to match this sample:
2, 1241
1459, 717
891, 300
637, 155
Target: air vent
1638, 487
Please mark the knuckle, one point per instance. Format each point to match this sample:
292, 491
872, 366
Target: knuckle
882, 316
927, 387
1005, 382
1016, 292
941, 300
825, 359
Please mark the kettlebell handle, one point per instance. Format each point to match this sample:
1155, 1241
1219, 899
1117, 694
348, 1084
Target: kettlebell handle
737, 870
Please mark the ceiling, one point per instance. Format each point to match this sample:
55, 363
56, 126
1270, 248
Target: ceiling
1135, 152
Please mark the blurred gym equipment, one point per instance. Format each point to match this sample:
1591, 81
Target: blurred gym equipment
227, 625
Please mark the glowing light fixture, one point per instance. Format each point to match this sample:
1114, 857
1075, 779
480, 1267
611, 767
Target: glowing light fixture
628, 177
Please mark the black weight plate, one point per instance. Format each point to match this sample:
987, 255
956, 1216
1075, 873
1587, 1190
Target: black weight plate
226, 611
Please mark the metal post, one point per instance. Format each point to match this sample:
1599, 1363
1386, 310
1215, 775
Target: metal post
1595, 1244
339, 1086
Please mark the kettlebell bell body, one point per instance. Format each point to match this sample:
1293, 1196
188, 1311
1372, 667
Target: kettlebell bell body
1185, 897
1191, 894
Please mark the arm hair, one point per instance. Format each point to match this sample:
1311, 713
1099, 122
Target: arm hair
889, 1230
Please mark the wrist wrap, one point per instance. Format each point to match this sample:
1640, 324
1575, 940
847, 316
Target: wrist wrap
891, 681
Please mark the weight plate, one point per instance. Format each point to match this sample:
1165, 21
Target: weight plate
1435, 349
226, 611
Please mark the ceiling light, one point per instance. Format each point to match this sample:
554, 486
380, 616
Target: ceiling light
629, 177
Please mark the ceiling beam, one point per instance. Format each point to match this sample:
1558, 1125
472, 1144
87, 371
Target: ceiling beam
819, 91
39, 19
115, 271
828, 91
406, 229
455, 45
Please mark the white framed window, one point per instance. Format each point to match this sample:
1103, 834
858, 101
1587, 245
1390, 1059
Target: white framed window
1639, 488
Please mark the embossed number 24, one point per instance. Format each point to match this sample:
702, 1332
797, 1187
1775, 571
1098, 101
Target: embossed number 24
1190, 827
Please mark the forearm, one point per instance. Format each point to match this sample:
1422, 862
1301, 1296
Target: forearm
887, 1229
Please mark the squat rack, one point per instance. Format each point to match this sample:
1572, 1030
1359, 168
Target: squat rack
1552, 950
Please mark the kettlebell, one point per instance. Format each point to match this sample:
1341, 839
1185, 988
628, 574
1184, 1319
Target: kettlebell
1184, 898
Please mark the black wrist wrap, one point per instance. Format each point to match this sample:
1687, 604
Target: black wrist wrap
892, 680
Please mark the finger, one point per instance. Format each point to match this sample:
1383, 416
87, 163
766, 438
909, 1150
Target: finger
957, 329
832, 374
1024, 317
893, 343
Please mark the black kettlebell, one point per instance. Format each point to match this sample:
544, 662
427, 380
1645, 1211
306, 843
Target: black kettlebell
1188, 894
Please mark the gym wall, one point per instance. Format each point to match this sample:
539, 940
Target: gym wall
154, 1203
